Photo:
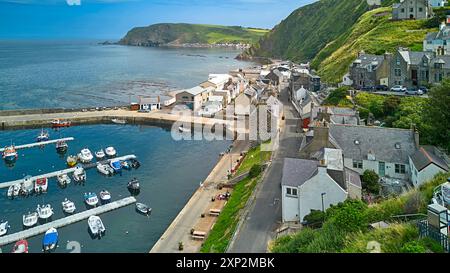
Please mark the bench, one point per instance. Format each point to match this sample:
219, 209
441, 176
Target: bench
214, 212
198, 235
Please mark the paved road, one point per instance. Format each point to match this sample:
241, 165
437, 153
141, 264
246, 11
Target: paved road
264, 214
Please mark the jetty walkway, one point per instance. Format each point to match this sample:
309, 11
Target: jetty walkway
66, 220
39, 144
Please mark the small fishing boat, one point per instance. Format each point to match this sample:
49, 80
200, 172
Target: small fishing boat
85, 156
118, 121
133, 185
135, 163
4, 227
105, 169
10, 154
182, 129
63, 179
96, 226
91, 199
72, 161
14, 190
116, 166
61, 146
143, 208
50, 240
27, 186
41, 185
100, 154
58, 123
105, 196
43, 136
30, 219
125, 165
110, 151
20, 247
44, 212
68, 206
79, 175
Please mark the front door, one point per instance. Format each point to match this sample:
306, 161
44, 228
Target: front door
414, 77
381, 169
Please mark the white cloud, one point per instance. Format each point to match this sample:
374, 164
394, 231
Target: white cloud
73, 2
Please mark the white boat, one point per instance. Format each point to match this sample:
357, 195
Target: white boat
63, 179
4, 227
10, 154
85, 156
43, 136
27, 186
79, 175
96, 225
133, 185
30, 219
184, 130
100, 154
13, 190
110, 151
105, 169
91, 199
105, 196
143, 208
68, 206
40, 185
44, 212
118, 121
50, 240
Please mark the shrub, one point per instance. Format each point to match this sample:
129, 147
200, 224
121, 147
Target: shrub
315, 217
350, 216
255, 170
414, 203
413, 247
370, 182
296, 243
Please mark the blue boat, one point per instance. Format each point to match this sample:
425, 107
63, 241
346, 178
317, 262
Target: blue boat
43, 136
116, 165
50, 240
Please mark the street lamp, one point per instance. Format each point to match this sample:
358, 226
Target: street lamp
322, 195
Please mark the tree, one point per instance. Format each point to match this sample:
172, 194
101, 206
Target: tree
370, 181
255, 170
437, 115
349, 216
314, 217
390, 105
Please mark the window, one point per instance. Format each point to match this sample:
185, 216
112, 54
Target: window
398, 61
357, 164
398, 72
402, 10
411, 9
291, 191
420, 9
400, 168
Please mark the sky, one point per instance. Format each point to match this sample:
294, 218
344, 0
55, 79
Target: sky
111, 19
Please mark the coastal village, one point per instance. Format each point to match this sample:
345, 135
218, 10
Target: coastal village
320, 153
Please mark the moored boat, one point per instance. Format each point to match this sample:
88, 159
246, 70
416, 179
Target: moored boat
27, 187
45, 211
68, 206
14, 190
105, 196
61, 146
111, 152
85, 156
100, 154
125, 165
43, 136
96, 226
182, 129
4, 227
91, 199
20, 246
135, 163
30, 219
105, 169
50, 240
10, 154
58, 123
79, 175
72, 161
63, 180
133, 184
143, 208
116, 166
118, 121
41, 185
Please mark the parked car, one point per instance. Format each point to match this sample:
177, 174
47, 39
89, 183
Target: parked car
381, 87
398, 88
367, 88
143, 111
423, 89
413, 91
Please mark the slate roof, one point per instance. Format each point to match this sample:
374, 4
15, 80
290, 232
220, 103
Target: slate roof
353, 177
297, 171
426, 156
365, 60
338, 177
195, 90
357, 141
444, 59
413, 57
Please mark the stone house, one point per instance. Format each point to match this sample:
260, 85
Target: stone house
412, 9
369, 70
439, 42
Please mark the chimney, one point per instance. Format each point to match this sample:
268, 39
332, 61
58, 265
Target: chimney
322, 168
321, 134
415, 135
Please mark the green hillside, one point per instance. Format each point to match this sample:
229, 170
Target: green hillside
374, 33
308, 29
175, 34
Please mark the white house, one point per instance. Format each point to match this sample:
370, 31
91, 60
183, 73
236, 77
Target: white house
437, 3
149, 103
194, 97
302, 102
439, 42
425, 163
309, 184
243, 102
210, 108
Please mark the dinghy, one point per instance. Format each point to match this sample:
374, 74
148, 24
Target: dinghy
50, 240
68, 206
143, 208
104, 169
13, 191
4, 227
30, 219
20, 247
96, 226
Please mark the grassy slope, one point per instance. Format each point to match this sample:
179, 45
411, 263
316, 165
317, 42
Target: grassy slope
374, 33
191, 33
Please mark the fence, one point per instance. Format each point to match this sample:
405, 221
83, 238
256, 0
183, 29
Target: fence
426, 230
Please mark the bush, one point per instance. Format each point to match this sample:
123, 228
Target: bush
350, 216
413, 247
370, 181
255, 170
315, 217
414, 203
296, 243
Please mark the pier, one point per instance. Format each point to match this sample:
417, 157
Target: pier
38, 144
66, 221
66, 171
